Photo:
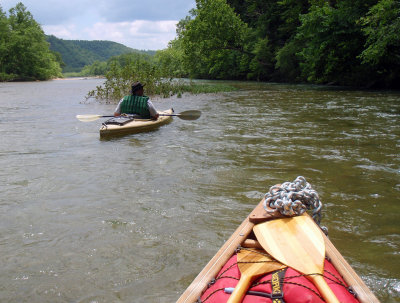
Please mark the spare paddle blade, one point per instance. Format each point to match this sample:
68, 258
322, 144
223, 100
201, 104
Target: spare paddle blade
296, 242
190, 115
252, 264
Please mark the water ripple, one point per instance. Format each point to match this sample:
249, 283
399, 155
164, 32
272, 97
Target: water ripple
89, 220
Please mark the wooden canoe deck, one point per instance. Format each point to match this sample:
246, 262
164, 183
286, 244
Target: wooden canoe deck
244, 234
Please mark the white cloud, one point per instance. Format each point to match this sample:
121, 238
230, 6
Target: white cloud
66, 32
138, 34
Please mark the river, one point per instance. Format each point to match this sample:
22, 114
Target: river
135, 218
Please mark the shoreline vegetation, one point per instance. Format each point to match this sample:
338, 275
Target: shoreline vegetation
342, 43
114, 89
121, 71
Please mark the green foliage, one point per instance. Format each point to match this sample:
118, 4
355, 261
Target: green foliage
170, 60
382, 28
347, 42
123, 70
96, 69
4, 38
126, 69
262, 63
230, 39
213, 41
273, 23
78, 53
332, 40
287, 62
24, 52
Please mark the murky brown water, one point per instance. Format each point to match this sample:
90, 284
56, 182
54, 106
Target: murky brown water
134, 219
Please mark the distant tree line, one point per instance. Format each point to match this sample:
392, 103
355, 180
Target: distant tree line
342, 42
24, 51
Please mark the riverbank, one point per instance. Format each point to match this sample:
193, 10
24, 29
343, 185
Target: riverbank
80, 78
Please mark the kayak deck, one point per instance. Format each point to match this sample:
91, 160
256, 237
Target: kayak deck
244, 236
136, 125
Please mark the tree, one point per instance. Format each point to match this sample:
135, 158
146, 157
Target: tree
381, 26
287, 61
170, 60
213, 40
27, 55
273, 24
4, 38
96, 69
331, 38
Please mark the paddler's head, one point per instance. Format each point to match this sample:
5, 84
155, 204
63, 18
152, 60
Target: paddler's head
137, 89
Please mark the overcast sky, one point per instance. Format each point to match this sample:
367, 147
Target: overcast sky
140, 24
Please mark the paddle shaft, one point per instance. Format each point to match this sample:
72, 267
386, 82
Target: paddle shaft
170, 115
241, 288
324, 289
186, 115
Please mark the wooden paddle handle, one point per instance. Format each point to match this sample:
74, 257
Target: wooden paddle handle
240, 289
324, 289
249, 243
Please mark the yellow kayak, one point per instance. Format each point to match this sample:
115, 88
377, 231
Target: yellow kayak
124, 126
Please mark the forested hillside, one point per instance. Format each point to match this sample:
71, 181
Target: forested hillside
78, 53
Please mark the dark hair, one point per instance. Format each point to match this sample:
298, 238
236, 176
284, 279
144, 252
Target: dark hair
136, 86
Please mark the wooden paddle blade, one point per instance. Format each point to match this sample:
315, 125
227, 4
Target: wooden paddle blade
252, 264
298, 243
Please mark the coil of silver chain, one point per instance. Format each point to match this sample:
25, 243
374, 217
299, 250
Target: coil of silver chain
293, 199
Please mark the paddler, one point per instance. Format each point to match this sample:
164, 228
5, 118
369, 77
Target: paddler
137, 103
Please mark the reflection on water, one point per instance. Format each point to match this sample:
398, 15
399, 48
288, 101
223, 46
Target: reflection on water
135, 218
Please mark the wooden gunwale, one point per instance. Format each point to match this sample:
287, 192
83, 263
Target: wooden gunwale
242, 233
